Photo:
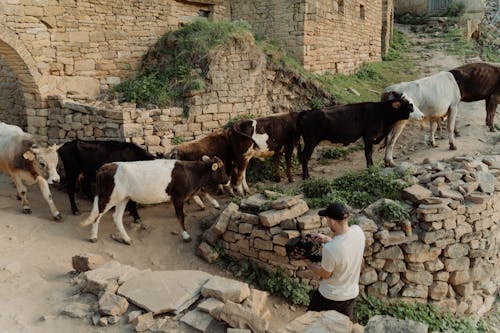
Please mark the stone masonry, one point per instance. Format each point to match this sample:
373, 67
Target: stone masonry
449, 256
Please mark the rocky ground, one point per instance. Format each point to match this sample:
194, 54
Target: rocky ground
35, 260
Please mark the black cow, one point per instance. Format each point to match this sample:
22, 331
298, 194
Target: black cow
347, 123
85, 157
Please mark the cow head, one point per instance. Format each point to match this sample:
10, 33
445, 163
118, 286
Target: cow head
405, 104
303, 247
45, 160
218, 175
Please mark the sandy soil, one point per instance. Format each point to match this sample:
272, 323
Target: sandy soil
35, 252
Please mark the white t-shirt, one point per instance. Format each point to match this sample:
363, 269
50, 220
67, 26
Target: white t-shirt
342, 256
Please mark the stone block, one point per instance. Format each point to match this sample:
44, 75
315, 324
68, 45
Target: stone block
273, 217
438, 290
458, 264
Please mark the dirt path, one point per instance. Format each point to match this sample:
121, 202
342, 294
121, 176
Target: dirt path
36, 253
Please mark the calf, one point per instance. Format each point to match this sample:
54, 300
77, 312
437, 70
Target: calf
478, 81
85, 157
151, 182
215, 144
26, 163
347, 123
261, 138
436, 96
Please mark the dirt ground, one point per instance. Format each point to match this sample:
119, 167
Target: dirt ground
35, 252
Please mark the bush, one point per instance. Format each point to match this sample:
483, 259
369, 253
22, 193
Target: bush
393, 212
455, 9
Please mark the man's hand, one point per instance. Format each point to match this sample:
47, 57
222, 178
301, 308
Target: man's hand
320, 238
318, 270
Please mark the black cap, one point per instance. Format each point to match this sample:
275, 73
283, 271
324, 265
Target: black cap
336, 211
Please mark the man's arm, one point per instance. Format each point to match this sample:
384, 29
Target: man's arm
318, 270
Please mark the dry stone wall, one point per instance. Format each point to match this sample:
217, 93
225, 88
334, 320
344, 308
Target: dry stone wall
11, 99
449, 256
239, 82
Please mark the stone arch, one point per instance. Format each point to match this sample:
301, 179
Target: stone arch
21, 63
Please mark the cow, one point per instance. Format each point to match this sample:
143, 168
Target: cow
151, 182
478, 81
85, 157
261, 138
347, 123
26, 163
436, 96
214, 144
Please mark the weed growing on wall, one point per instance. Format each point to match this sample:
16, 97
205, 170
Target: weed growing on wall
178, 62
277, 283
358, 189
438, 321
393, 211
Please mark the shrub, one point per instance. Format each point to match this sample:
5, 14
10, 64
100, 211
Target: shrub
455, 9
393, 212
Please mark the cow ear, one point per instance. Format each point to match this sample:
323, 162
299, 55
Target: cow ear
215, 166
205, 158
396, 105
28, 155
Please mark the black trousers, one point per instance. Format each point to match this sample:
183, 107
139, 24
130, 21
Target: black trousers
320, 303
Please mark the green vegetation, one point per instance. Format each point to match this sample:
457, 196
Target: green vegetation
179, 61
355, 189
455, 9
176, 140
277, 283
393, 212
454, 43
336, 153
260, 171
438, 321
231, 121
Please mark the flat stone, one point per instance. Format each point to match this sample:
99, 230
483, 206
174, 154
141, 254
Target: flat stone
309, 220
273, 217
198, 320
225, 289
212, 306
449, 193
76, 310
238, 316
285, 202
220, 225
319, 322
207, 252
164, 291
416, 193
486, 181
387, 324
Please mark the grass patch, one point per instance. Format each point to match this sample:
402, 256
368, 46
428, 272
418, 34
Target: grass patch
277, 283
393, 212
336, 153
438, 321
357, 189
178, 62
372, 78
455, 43
261, 171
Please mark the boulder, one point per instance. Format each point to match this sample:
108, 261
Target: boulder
387, 324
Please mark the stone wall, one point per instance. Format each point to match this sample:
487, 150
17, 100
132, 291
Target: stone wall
335, 36
240, 82
11, 99
449, 256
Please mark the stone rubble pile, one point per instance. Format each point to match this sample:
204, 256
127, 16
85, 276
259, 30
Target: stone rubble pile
446, 253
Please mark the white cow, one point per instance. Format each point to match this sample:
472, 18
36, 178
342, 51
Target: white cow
28, 164
436, 96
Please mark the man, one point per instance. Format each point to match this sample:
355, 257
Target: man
340, 265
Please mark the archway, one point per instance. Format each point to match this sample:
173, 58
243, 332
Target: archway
19, 69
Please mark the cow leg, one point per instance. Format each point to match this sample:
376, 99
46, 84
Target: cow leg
451, 125
44, 188
214, 202
87, 188
246, 188
70, 188
179, 212
392, 137
305, 156
368, 152
276, 164
433, 126
132, 208
239, 176
95, 218
288, 161
491, 108
118, 219
22, 193
199, 202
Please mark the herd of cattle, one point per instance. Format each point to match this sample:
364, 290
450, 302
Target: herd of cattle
125, 173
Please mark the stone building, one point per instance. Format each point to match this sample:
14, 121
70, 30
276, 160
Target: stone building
52, 47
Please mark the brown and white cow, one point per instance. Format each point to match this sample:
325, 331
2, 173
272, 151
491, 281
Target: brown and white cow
151, 182
28, 164
214, 144
478, 81
261, 138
